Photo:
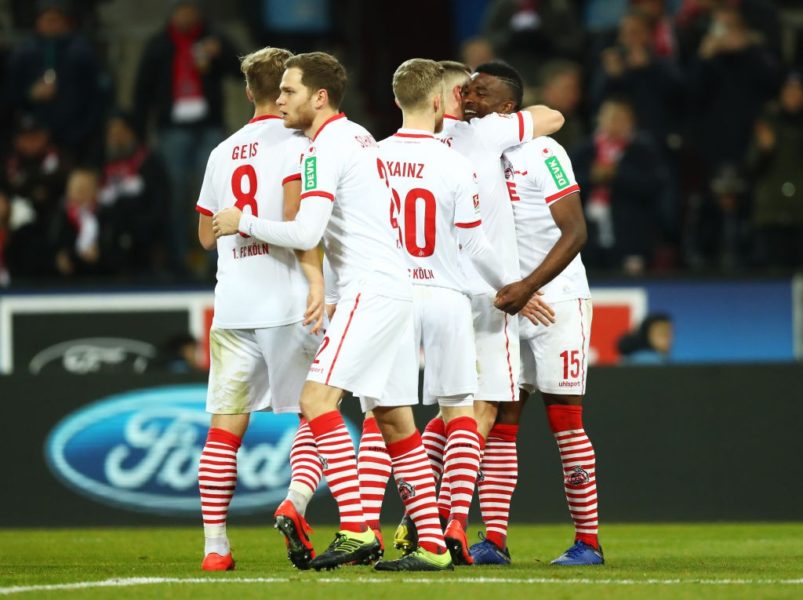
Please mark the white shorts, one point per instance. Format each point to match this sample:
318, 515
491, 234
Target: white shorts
445, 330
258, 369
496, 336
370, 338
555, 359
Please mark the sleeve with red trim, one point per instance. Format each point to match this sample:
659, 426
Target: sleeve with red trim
553, 169
208, 202
303, 233
483, 256
466, 193
499, 132
292, 153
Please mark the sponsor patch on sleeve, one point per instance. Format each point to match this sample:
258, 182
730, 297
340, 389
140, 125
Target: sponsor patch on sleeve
556, 170
310, 173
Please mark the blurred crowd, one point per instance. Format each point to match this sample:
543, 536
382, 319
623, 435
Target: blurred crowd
684, 121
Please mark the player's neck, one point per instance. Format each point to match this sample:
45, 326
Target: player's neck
454, 110
320, 119
265, 110
419, 122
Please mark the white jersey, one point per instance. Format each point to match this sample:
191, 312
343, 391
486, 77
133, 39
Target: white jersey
482, 141
539, 173
434, 191
257, 285
342, 164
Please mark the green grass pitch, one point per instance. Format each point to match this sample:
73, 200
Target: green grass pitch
644, 561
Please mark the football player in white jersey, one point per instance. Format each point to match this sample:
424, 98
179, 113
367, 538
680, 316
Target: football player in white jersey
368, 347
550, 231
260, 349
436, 211
482, 141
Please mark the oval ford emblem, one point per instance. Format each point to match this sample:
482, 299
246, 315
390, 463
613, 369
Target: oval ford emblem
140, 450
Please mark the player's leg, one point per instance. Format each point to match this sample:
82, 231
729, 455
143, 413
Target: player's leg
416, 486
357, 354
288, 352
373, 469
238, 385
498, 360
461, 465
561, 355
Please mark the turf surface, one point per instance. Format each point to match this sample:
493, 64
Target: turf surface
644, 561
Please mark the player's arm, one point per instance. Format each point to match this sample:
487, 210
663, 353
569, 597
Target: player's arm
302, 233
546, 121
309, 260
205, 234
482, 255
568, 215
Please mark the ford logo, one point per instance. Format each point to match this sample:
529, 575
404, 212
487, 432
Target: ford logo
140, 450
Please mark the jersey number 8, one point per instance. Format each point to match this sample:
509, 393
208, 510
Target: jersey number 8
242, 197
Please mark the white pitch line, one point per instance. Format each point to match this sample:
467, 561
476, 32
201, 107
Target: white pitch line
132, 581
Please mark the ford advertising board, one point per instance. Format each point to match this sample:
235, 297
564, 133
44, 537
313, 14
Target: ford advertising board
139, 450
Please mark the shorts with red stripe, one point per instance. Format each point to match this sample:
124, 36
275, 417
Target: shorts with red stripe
496, 338
554, 359
369, 339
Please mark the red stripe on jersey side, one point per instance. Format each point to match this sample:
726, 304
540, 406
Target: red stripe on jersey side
325, 123
326, 195
509, 365
562, 193
583, 334
289, 178
204, 211
414, 135
521, 126
263, 117
345, 331
468, 225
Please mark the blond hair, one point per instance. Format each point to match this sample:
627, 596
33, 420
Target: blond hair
415, 81
263, 71
454, 74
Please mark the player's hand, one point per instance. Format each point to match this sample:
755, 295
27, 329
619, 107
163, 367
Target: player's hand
538, 311
315, 309
226, 222
330, 310
513, 297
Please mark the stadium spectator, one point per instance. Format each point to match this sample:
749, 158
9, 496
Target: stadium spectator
180, 83
653, 84
651, 343
476, 51
55, 74
775, 160
623, 174
662, 31
75, 230
526, 32
562, 89
133, 191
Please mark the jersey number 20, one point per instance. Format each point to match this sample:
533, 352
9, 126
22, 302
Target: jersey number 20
409, 211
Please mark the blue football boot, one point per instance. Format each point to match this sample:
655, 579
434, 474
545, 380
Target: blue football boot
487, 553
580, 555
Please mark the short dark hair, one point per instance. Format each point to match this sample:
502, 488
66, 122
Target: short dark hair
321, 71
507, 75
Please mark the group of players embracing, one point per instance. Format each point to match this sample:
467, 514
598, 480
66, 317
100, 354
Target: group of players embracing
460, 235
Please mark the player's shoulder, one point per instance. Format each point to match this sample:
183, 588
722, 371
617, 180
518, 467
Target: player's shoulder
536, 150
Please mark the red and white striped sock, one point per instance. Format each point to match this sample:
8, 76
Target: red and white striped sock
461, 464
305, 468
579, 469
217, 478
500, 473
340, 467
434, 440
416, 486
373, 467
